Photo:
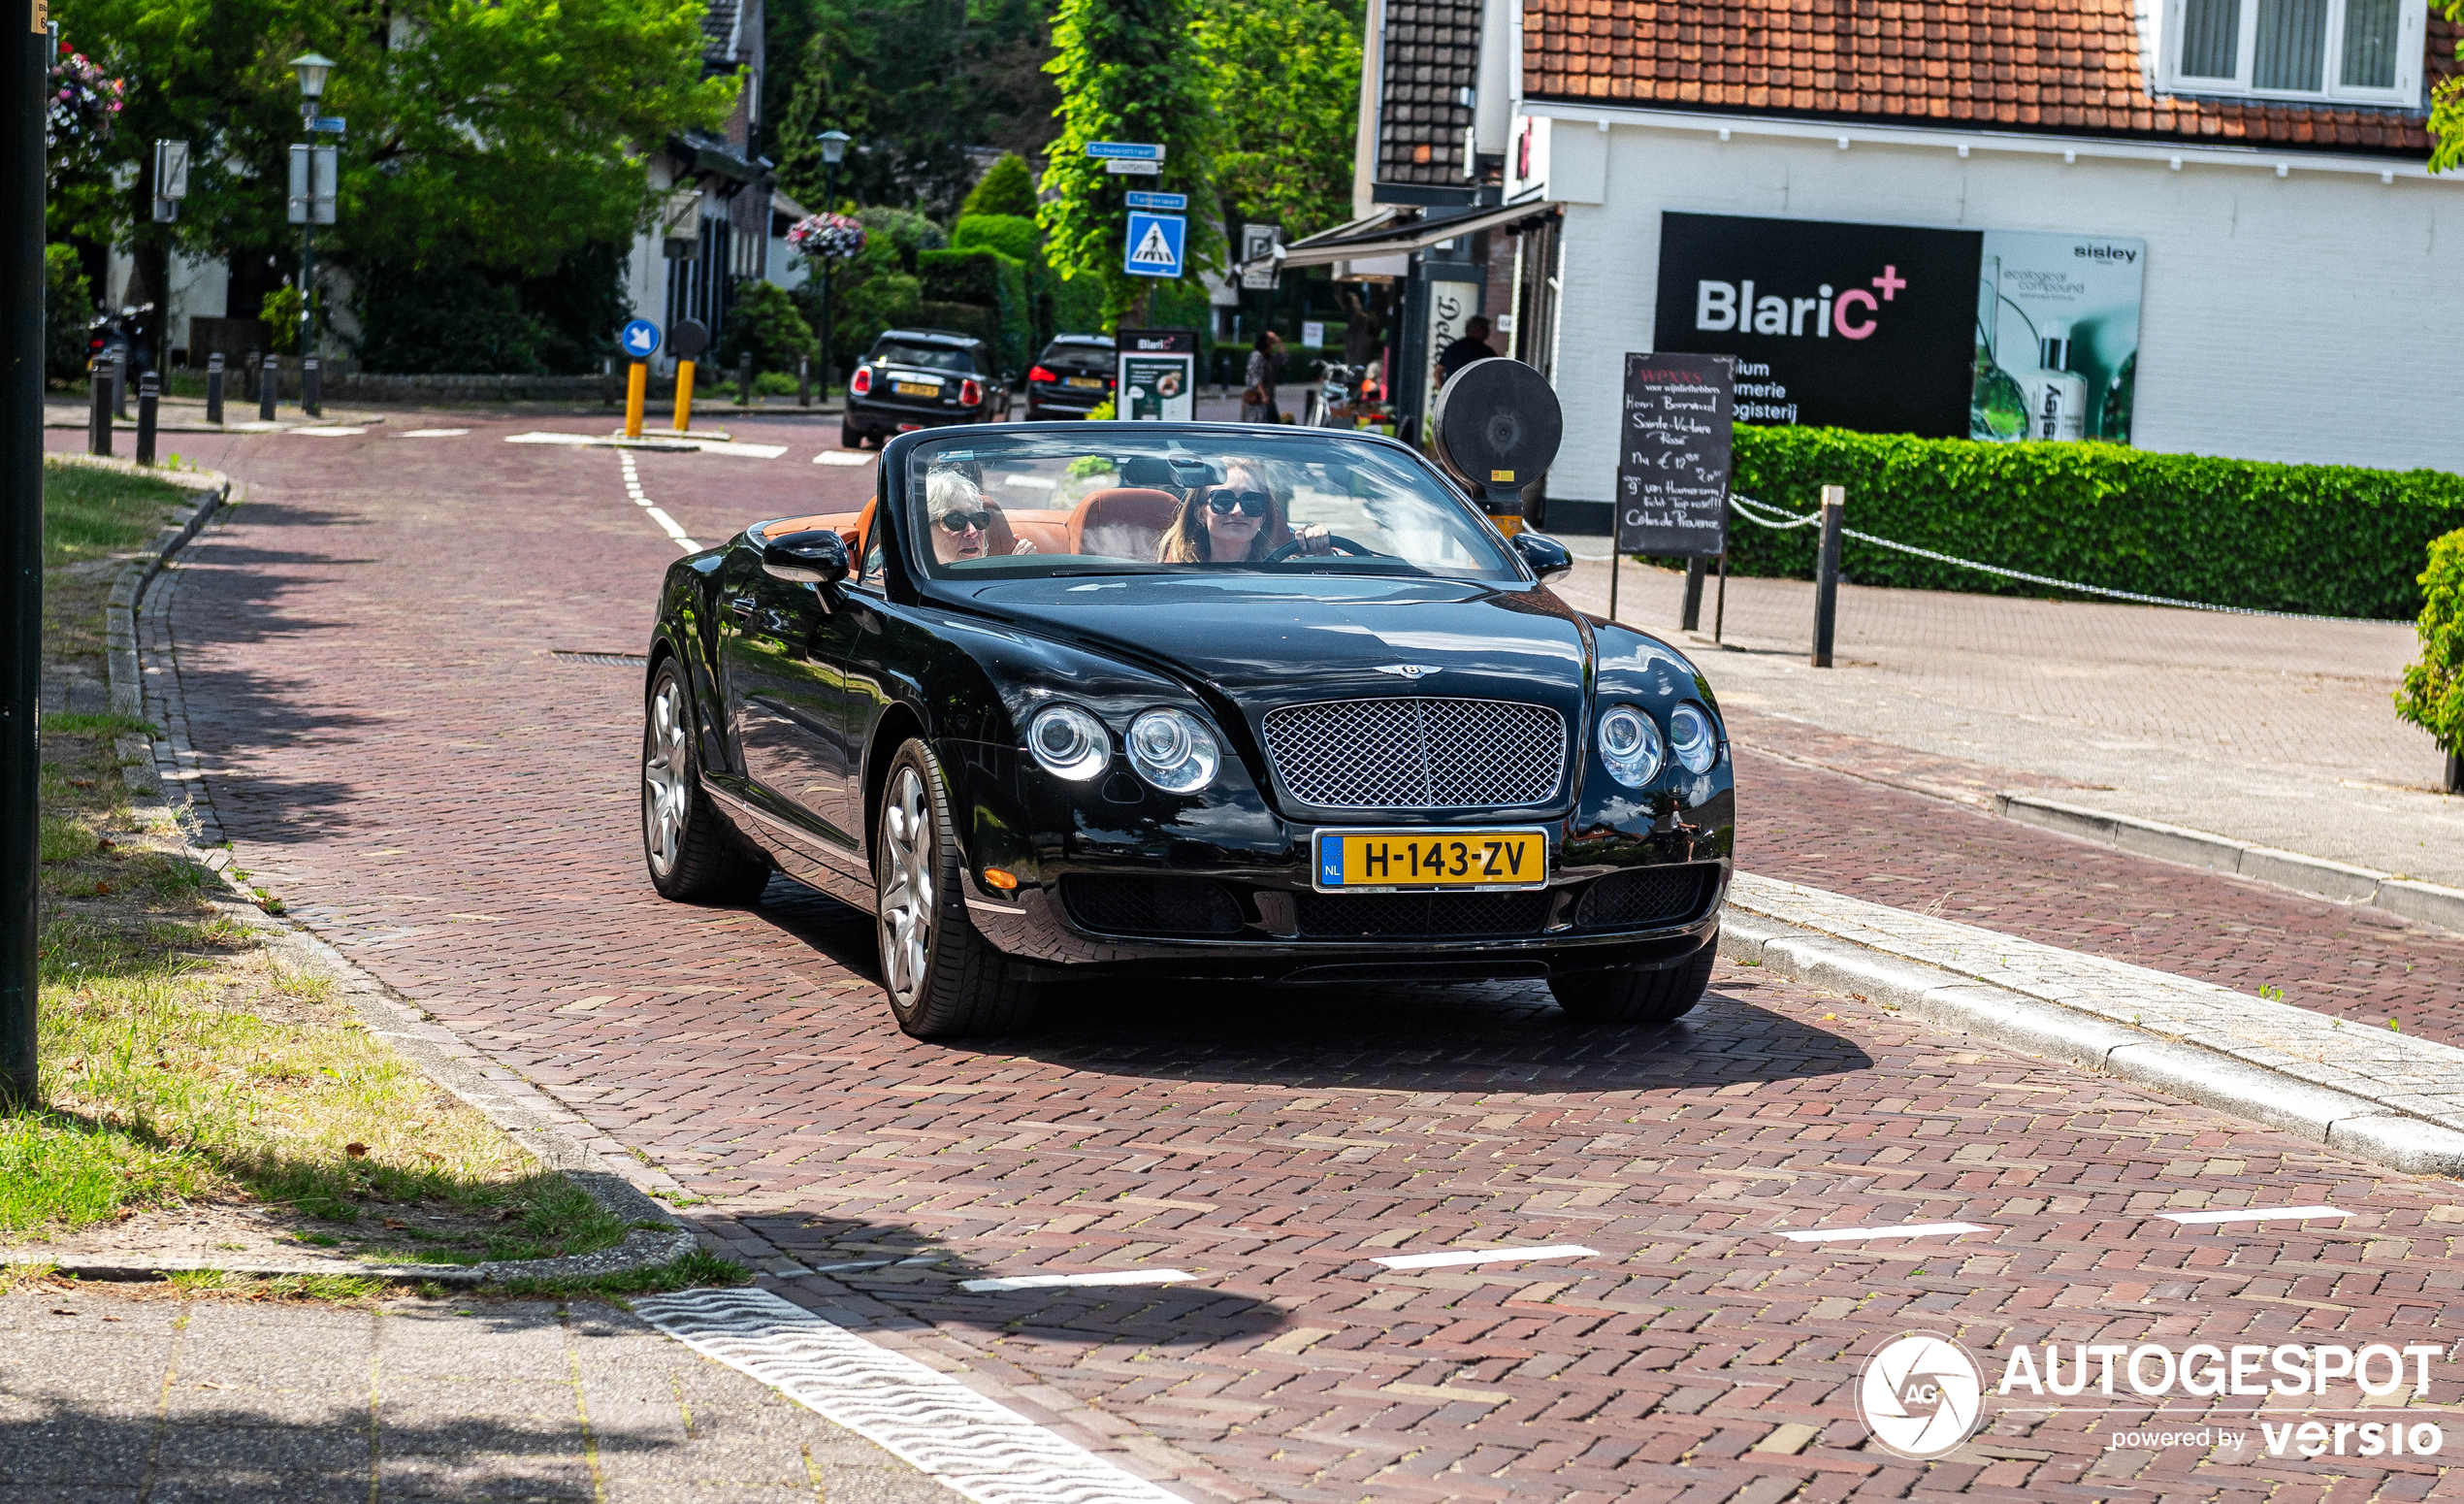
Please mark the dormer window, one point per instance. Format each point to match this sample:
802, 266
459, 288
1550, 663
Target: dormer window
2365, 52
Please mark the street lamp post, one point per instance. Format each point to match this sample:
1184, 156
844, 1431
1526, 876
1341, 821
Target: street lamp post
312, 69
23, 56
834, 148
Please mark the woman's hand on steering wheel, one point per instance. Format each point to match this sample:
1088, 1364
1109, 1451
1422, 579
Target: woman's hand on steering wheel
1315, 540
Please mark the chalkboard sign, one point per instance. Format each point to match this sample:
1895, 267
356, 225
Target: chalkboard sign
1673, 455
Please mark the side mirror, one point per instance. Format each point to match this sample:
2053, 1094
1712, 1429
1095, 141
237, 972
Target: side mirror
1547, 556
813, 557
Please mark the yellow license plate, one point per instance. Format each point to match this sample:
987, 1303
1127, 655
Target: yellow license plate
1371, 861
915, 389
1090, 381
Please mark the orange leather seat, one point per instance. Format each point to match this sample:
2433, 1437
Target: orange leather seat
1122, 522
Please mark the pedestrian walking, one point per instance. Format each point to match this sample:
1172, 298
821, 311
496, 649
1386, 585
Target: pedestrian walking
1474, 345
1257, 402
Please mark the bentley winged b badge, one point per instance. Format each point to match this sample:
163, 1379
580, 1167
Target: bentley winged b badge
1407, 671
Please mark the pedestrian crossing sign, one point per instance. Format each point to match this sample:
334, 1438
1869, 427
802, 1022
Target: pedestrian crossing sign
1156, 242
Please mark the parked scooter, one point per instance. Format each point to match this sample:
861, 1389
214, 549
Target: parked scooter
127, 336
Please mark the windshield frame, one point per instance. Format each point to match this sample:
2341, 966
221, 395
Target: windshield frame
901, 459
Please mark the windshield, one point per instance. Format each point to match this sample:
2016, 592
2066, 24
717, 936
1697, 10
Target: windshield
1114, 502
931, 357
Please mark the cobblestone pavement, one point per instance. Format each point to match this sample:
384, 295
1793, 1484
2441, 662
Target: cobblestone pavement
364, 650
109, 1395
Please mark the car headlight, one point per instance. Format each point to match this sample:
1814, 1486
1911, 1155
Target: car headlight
1069, 742
1691, 737
1630, 744
1173, 750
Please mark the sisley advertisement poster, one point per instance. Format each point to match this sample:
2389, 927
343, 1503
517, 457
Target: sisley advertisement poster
1982, 334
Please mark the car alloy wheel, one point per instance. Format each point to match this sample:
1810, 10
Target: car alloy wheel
908, 895
665, 790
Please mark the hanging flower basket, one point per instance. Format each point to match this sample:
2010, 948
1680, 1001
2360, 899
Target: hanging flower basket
85, 104
825, 238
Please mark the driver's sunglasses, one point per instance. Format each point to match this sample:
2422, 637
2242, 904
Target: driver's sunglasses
961, 521
1253, 504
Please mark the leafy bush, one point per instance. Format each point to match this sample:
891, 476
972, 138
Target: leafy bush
2433, 693
1012, 235
988, 281
68, 307
902, 233
450, 320
765, 322
1008, 187
2334, 540
281, 310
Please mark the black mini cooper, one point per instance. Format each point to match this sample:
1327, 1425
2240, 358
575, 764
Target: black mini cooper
1187, 700
921, 379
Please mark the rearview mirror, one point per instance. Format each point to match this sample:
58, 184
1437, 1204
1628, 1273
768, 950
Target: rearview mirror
1547, 556
816, 556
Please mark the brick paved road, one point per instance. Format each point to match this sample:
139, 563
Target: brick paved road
363, 653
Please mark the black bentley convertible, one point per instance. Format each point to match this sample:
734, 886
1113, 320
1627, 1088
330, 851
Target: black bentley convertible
1187, 700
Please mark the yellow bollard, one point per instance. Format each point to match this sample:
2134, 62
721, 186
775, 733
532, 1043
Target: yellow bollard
637, 392
684, 395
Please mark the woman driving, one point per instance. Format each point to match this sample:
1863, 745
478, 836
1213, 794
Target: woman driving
1243, 518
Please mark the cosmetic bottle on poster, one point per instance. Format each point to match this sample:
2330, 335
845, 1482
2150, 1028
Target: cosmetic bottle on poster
2057, 398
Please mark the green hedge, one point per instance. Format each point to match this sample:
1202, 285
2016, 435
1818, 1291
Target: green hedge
2433, 693
2334, 540
990, 280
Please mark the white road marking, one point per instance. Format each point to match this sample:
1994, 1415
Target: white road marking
2252, 1214
435, 433
330, 431
1099, 1277
750, 451
1905, 1229
667, 524
1463, 1255
842, 457
582, 439
962, 1439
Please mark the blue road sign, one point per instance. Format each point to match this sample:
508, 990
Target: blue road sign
1127, 150
1156, 242
639, 339
1175, 202
328, 122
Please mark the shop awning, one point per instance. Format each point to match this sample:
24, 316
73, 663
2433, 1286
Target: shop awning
1382, 235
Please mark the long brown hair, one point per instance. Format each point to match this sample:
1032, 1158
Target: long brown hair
1186, 540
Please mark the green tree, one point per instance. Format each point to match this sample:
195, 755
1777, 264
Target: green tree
1129, 70
766, 323
1007, 187
1284, 79
68, 307
2447, 104
2433, 694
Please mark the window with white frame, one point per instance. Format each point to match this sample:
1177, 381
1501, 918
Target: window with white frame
2366, 52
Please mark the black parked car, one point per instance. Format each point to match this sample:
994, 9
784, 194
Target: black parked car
1187, 700
921, 379
1073, 376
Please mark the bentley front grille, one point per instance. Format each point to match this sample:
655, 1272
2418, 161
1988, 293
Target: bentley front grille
1418, 754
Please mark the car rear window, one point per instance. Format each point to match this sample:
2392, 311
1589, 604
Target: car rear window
930, 357
1078, 359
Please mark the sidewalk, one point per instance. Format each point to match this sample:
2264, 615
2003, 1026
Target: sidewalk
2274, 731
132, 1393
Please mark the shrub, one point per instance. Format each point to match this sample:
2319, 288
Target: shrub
2433, 693
281, 310
902, 233
1008, 187
1012, 235
765, 322
988, 281
449, 320
68, 308
2333, 541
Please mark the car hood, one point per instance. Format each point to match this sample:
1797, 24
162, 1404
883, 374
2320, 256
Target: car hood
1263, 641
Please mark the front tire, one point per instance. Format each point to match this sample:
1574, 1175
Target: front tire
693, 856
1634, 996
942, 978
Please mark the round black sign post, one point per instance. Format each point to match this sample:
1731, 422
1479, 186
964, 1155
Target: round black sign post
688, 338
1497, 426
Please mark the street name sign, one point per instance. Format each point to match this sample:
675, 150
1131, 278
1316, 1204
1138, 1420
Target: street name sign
1171, 203
1130, 166
1156, 242
1673, 455
639, 339
1126, 151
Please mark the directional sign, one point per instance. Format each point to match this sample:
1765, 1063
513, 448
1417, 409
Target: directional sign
1156, 242
1132, 151
1124, 166
332, 123
1173, 201
639, 339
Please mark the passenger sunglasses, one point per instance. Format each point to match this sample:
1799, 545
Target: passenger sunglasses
961, 521
1253, 504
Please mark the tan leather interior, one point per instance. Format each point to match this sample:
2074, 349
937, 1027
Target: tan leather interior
1048, 530
1127, 522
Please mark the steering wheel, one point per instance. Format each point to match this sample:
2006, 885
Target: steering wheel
1341, 542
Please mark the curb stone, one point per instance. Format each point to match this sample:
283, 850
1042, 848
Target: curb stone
2427, 903
524, 1113
2355, 1125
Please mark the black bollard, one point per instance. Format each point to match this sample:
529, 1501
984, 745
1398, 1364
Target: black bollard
149, 410
803, 381
1690, 615
119, 386
98, 422
214, 391
312, 399
268, 385
744, 380
1826, 573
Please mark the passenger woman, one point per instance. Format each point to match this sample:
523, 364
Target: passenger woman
1243, 519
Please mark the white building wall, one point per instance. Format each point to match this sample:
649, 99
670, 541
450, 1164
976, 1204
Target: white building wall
2311, 318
